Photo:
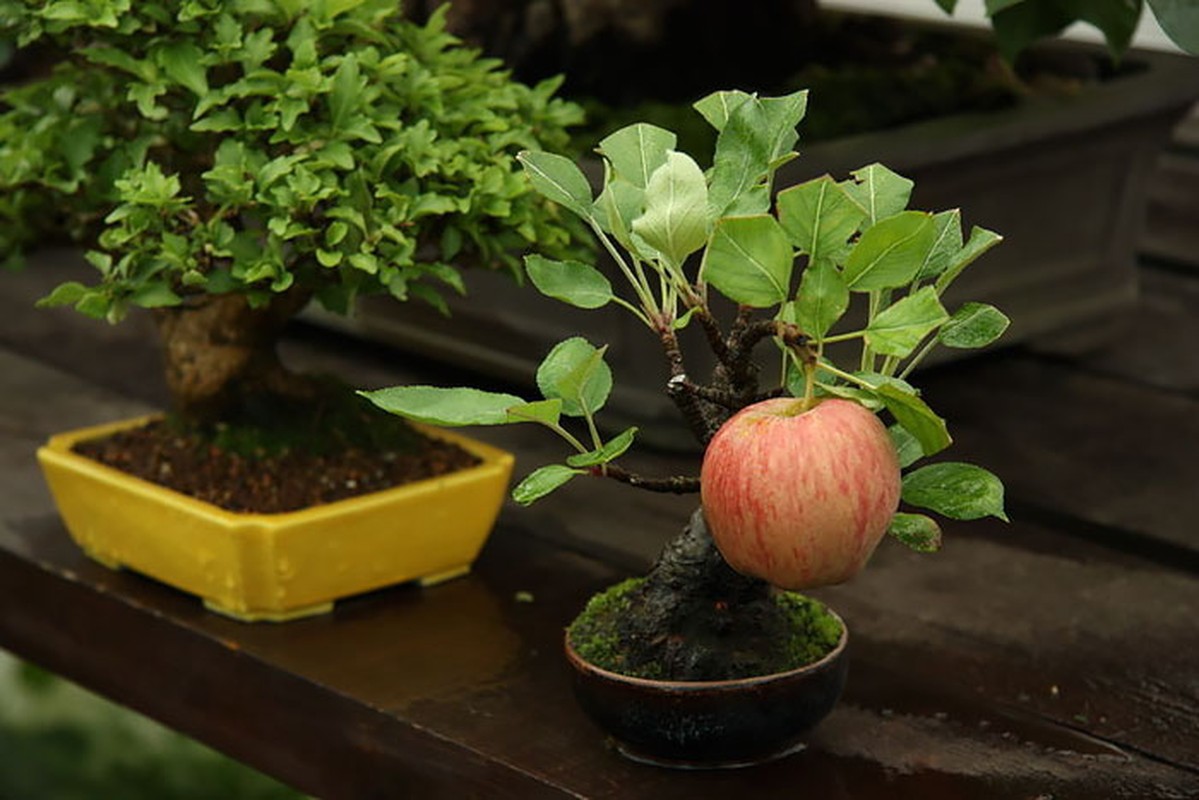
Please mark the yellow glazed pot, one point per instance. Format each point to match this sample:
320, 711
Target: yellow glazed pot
277, 567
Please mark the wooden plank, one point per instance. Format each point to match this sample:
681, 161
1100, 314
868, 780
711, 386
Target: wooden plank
1077, 444
942, 658
461, 691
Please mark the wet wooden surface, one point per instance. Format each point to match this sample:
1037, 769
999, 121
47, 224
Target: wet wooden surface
1055, 657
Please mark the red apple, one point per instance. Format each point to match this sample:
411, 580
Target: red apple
800, 498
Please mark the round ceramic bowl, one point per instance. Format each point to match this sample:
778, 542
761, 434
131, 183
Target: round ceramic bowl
711, 724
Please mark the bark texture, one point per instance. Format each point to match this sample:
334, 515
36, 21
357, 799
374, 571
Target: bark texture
220, 351
694, 618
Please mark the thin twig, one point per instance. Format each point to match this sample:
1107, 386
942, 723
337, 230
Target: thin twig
677, 484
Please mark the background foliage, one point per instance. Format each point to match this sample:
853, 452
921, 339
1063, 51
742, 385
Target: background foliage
257, 145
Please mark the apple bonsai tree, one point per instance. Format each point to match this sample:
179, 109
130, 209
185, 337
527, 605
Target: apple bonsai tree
224, 163
801, 477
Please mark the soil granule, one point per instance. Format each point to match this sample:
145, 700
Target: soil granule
269, 483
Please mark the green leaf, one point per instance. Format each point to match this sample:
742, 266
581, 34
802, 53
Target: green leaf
916, 417
675, 222
617, 206
155, 295
917, 531
636, 151
899, 328
1179, 20
448, 407
344, 91
64, 294
545, 412
183, 63
571, 282
1019, 23
974, 325
881, 192
749, 260
947, 243
981, 240
576, 372
557, 178
947, 5
717, 107
890, 253
742, 157
822, 300
610, 451
542, 481
907, 446
819, 217
955, 490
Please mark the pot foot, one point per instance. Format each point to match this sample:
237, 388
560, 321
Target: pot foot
442, 577
286, 615
641, 757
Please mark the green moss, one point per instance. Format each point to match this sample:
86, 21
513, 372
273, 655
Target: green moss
813, 632
594, 634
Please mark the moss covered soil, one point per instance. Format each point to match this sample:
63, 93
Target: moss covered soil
598, 635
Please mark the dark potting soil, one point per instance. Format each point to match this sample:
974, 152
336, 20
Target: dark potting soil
231, 469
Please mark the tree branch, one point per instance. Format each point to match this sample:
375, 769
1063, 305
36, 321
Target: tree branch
677, 484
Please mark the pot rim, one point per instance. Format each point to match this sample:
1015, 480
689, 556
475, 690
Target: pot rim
730, 684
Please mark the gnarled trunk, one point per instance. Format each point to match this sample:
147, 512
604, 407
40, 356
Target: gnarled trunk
695, 618
219, 350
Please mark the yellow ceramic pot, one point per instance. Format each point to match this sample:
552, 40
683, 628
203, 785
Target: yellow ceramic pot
277, 567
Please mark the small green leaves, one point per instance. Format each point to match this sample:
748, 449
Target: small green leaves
820, 217
447, 407
981, 240
907, 446
916, 417
675, 222
575, 372
823, 299
543, 412
610, 451
890, 253
917, 531
749, 261
955, 490
881, 192
542, 481
572, 282
557, 178
183, 63
899, 328
717, 107
974, 325
636, 151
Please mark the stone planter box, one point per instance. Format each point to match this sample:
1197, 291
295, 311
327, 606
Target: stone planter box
1065, 182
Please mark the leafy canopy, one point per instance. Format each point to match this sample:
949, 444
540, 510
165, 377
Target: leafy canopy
799, 260
258, 145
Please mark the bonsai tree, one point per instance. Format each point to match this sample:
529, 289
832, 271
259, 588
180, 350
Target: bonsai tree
225, 163
836, 281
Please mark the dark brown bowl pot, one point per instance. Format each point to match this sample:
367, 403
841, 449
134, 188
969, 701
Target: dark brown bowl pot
710, 724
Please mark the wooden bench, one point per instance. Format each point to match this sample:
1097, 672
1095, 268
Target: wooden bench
1052, 657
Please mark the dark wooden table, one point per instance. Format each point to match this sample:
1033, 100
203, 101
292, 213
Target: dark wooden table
1055, 657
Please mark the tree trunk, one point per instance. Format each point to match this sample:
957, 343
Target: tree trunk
219, 350
695, 618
